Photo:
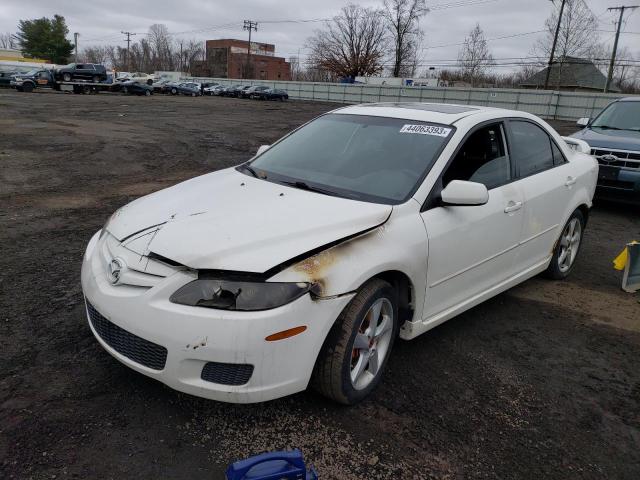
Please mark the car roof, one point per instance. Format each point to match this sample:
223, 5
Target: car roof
628, 99
443, 113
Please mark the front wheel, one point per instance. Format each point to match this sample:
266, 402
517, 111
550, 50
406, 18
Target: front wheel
147, 93
567, 247
125, 90
66, 77
356, 350
174, 91
27, 87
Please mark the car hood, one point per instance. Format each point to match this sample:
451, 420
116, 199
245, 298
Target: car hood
613, 139
227, 220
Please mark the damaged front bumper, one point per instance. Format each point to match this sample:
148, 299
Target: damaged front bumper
202, 351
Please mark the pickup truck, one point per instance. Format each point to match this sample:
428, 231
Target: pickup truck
44, 78
614, 138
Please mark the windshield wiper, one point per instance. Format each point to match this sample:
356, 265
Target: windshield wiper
252, 171
607, 127
305, 186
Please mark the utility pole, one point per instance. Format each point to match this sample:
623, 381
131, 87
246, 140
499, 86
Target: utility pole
75, 41
128, 34
249, 25
553, 47
615, 43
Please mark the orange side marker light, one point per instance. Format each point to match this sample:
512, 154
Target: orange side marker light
292, 332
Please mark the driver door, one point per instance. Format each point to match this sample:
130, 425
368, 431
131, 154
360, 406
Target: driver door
472, 249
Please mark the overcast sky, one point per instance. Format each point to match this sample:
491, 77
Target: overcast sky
101, 22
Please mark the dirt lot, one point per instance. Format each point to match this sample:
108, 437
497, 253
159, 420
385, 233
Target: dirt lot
540, 382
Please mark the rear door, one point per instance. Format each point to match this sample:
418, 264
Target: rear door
546, 180
473, 248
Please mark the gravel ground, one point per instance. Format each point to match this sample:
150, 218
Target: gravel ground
542, 381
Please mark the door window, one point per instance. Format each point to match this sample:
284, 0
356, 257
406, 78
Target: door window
530, 148
481, 159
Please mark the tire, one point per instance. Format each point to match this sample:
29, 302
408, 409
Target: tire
27, 87
343, 371
567, 247
149, 82
125, 90
193, 94
66, 77
174, 91
147, 93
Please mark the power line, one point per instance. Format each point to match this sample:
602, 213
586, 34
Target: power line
553, 46
129, 35
615, 43
249, 25
488, 39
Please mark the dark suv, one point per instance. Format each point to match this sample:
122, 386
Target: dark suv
81, 71
614, 138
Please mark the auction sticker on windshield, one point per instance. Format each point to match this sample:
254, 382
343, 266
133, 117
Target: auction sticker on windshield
426, 130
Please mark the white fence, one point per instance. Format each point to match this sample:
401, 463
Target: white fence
544, 103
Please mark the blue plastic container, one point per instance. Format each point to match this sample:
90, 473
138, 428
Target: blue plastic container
272, 466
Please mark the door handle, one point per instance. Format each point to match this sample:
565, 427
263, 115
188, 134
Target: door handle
570, 181
513, 207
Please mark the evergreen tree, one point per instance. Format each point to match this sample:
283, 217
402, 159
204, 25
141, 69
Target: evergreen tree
45, 38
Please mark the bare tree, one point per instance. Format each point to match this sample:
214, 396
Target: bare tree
161, 47
97, 54
7, 40
578, 36
403, 23
186, 53
352, 44
474, 58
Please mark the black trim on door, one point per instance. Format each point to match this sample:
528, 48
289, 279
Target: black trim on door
433, 198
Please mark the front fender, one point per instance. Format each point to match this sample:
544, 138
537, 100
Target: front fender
399, 245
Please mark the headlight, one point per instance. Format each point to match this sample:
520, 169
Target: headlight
238, 295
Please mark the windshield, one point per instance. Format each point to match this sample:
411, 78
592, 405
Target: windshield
367, 158
620, 115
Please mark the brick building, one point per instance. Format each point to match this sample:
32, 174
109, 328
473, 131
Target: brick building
227, 58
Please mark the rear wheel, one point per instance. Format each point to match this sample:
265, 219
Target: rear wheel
125, 90
356, 350
147, 93
174, 91
27, 87
567, 247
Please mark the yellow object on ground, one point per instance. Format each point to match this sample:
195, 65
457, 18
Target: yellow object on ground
621, 260
629, 261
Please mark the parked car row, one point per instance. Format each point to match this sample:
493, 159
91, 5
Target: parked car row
194, 89
256, 92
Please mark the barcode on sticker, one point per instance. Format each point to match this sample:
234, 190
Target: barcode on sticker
426, 130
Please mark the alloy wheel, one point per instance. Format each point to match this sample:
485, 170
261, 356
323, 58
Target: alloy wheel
569, 244
371, 343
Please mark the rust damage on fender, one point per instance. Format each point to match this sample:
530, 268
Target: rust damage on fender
316, 267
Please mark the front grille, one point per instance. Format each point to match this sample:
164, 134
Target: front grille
625, 159
227, 373
126, 343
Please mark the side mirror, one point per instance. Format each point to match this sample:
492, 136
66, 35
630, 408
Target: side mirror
460, 192
262, 149
583, 122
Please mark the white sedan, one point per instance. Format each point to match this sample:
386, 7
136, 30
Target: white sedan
303, 265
